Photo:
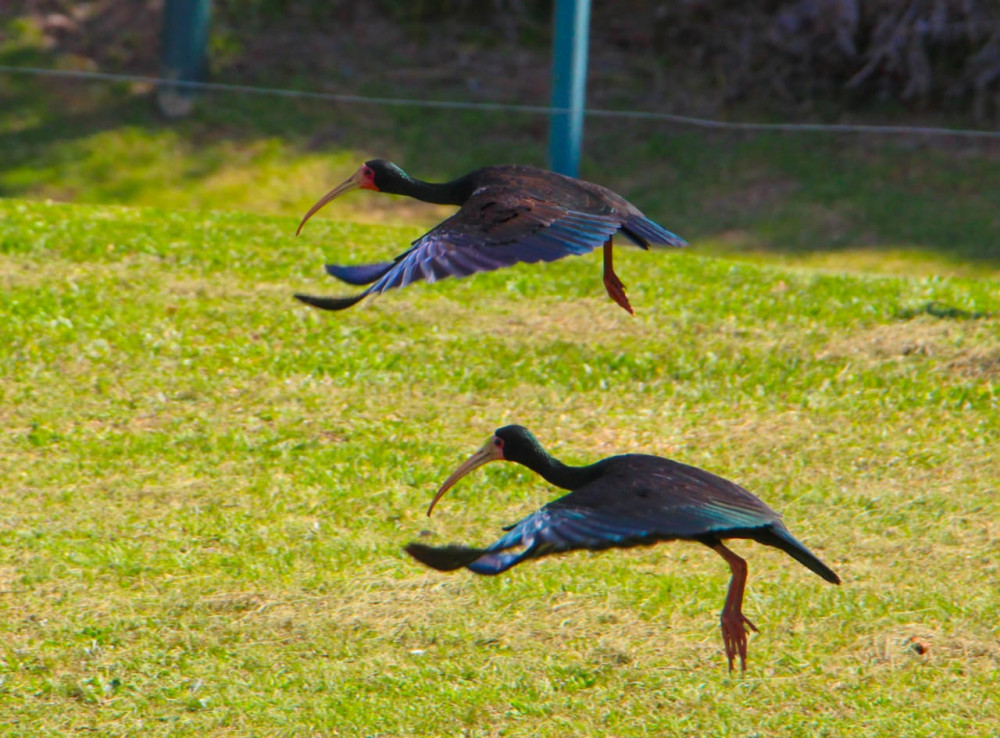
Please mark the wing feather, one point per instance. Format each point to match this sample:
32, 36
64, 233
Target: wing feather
489, 232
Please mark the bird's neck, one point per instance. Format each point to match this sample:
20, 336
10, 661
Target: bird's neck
455, 192
562, 475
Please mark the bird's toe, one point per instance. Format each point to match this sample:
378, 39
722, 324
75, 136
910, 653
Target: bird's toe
616, 291
735, 627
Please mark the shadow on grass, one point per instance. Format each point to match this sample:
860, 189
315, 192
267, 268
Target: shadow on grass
937, 309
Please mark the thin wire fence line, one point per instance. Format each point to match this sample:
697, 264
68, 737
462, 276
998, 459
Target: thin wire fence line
506, 107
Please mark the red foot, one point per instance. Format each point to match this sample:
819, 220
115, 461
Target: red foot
735, 626
616, 291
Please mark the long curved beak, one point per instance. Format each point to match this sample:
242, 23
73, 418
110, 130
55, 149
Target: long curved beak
492, 451
353, 182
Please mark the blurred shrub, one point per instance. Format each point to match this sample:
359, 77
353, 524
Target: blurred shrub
926, 54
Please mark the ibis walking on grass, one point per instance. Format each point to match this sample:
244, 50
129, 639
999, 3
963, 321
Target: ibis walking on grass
624, 501
507, 214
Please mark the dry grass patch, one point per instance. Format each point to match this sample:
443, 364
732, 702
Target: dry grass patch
960, 344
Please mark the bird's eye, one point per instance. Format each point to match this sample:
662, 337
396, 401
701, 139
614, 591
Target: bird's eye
498, 442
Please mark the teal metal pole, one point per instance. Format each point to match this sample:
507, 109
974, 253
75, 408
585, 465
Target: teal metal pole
184, 56
569, 85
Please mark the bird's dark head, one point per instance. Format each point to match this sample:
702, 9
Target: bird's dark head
516, 443
383, 176
510, 443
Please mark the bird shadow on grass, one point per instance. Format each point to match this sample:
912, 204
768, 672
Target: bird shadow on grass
937, 309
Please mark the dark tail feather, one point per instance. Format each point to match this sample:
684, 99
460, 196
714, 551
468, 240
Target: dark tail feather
359, 274
646, 233
444, 558
780, 538
330, 303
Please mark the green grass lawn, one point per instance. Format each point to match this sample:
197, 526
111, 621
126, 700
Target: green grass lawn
206, 488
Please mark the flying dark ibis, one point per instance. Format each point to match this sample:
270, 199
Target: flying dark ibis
506, 214
619, 502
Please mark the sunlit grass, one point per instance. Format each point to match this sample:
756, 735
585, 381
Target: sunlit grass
206, 488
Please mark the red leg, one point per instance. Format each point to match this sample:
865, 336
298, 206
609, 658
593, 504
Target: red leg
614, 286
734, 624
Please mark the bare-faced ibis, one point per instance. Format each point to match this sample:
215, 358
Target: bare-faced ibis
506, 214
619, 502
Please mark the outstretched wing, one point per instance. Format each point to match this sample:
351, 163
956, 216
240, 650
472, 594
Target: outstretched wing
641, 230
494, 230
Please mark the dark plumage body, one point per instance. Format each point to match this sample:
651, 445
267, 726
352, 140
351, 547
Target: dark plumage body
623, 501
507, 214
634, 500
